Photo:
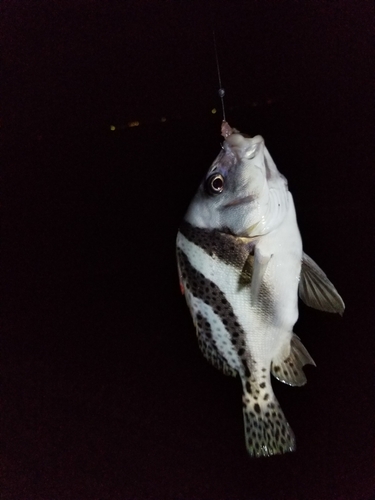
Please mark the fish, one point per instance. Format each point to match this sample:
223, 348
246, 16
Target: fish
242, 267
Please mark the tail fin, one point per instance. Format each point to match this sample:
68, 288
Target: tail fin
267, 431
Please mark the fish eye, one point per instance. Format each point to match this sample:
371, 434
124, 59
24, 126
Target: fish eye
215, 184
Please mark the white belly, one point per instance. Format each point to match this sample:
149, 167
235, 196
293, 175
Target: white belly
268, 324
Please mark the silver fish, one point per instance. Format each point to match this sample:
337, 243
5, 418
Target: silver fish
241, 267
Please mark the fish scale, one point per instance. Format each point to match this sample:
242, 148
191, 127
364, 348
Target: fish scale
228, 340
241, 267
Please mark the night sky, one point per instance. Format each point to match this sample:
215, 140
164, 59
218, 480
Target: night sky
89, 63
104, 392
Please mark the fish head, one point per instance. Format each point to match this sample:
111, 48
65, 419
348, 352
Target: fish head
242, 193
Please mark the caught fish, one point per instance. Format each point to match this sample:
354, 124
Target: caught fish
241, 267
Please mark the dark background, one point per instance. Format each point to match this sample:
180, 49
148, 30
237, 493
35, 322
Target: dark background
104, 392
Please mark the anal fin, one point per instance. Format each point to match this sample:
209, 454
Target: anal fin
290, 369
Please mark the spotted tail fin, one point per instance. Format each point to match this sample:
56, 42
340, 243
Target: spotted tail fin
267, 431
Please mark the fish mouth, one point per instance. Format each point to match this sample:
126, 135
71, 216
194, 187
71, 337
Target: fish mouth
241, 201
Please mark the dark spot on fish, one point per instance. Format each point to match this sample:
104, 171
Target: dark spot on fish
241, 351
246, 369
262, 385
276, 369
248, 387
257, 408
212, 296
266, 396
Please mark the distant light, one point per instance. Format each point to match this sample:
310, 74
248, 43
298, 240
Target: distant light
113, 128
213, 111
163, 119
133, 124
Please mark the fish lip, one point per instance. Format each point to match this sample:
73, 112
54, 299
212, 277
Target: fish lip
241, 201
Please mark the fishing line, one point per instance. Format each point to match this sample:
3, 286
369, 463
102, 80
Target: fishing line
221, 91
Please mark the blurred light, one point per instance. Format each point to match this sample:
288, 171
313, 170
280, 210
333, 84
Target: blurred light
163, 119
213, 111
133, 124
113, 128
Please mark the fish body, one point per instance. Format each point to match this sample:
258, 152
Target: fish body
241, 267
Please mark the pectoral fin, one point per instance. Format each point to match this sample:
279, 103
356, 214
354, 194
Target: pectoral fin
259, 268
316, 290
